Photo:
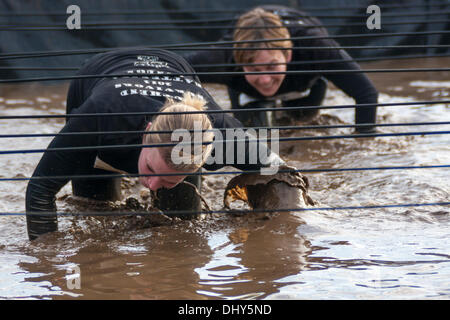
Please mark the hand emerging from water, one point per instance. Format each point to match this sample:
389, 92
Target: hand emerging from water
284, 190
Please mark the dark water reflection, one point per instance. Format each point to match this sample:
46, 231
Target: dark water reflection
191, 260
377, 253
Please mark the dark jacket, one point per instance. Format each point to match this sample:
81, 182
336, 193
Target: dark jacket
356, 85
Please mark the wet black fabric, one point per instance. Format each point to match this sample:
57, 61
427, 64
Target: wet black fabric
356, 85
102, 96
261, 118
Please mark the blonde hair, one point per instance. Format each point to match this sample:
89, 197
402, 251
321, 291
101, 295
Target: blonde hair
188, 121
267, 26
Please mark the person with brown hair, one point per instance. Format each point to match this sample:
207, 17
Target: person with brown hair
109, 130
276, 39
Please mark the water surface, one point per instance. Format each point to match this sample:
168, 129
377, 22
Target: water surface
375, 253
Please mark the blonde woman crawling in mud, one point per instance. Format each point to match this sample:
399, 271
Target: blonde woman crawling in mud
147, 81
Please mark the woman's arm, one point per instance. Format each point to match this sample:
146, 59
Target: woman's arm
357, 85
242, 149
41, 191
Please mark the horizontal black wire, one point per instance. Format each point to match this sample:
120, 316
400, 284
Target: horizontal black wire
335, 61
124, 13
188, 46
9, 56
342, 36
87, 25
283, 139
47, 54
230, 211
361, 105
228, 73
85, 51
312, 127
144, 25
368, 59
21, 55
211, 173
209, 27
21, 68
128, 12
215, 11
326, 16
323, 16
316, 48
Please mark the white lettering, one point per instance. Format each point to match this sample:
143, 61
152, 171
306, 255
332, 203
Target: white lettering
189, 310
181, 153
269, 156
374, 21
217, 152
74, 20
247, 309
241, 147
73, 278
239, 134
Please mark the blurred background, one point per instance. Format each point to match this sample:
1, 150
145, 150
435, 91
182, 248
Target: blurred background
40, 26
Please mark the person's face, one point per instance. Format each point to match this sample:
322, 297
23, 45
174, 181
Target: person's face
151, 162
267, 84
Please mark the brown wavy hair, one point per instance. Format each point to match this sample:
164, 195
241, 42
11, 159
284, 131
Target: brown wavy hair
267, 26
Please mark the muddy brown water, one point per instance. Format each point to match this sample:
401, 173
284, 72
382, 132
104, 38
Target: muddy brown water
374, 253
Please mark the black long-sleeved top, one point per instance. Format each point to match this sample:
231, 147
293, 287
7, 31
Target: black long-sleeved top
106, 95
356, 85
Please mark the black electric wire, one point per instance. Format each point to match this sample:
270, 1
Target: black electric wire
282, 128
224, 211
342, 36
217, 11
13, 56
21, 68
336, 61
200, 45
323, 16
136, 25
121, 114
282, 139
215, 173
231, 73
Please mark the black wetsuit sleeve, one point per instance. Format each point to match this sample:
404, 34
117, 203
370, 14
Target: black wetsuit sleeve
247, 152
41, 191
356, 84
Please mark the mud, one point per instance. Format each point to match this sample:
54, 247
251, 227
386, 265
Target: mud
330, 253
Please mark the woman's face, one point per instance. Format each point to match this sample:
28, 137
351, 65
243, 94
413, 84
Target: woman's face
267, 84
151, 162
